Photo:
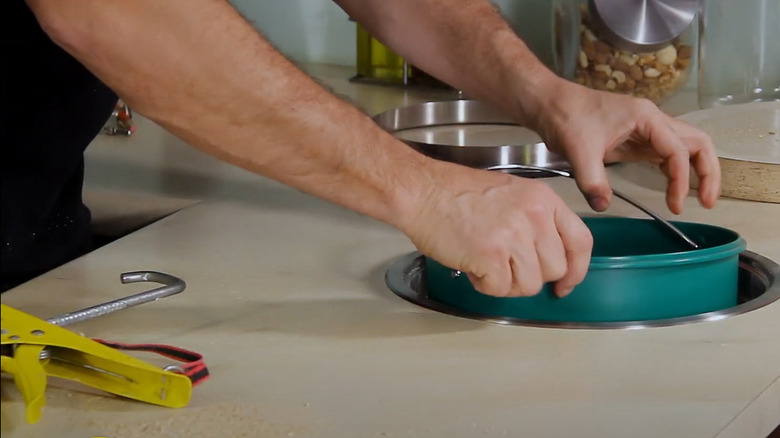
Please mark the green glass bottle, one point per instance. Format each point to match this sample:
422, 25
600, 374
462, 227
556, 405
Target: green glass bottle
376, 61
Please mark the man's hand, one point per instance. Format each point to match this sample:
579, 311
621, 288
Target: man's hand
588, 127
510, 234
591, 127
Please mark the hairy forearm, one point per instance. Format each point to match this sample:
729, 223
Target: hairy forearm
465, 43
199, 70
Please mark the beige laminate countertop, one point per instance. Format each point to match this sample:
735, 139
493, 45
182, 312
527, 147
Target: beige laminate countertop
286, 300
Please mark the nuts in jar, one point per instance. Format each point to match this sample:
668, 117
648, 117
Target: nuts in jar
654, 75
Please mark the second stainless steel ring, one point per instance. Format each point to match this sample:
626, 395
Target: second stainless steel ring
467, 112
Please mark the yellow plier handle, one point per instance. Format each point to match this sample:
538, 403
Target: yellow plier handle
29, 377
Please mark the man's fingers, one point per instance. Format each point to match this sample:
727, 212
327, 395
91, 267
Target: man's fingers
704, 160
496, 282
562, 258
679, 181
526, 275
550, 250
676, 161
707, 168
592, 179
578, 243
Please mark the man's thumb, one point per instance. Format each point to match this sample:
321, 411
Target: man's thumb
592, 180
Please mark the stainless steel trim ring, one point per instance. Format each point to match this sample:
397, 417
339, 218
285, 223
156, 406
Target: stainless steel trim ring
466, 112
759, 287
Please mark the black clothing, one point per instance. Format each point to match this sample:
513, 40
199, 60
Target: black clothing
51, 108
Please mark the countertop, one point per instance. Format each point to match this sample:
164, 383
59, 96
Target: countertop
286, 300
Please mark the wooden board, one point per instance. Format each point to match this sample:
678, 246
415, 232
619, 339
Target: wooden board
747, 139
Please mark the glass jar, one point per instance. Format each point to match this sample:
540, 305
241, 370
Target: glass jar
581, 56
739, 52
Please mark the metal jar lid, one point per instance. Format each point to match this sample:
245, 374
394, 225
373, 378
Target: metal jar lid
642, 25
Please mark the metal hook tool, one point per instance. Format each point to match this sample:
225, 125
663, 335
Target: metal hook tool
172, 286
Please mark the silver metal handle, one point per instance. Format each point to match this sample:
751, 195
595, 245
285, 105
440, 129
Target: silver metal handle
558, 172
172, 286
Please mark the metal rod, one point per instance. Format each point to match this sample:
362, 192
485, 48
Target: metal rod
687, 240
172, 286
655, 216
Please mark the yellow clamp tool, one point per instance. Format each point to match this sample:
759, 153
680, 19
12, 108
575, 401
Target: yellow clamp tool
33, 349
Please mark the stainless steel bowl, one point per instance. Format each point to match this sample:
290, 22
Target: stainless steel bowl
468, 112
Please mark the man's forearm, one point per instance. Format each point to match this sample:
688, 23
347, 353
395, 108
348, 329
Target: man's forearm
202, 72
465, 43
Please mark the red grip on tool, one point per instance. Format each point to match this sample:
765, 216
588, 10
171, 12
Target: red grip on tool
194, 367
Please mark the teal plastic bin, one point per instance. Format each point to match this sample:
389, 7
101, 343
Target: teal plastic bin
638, 272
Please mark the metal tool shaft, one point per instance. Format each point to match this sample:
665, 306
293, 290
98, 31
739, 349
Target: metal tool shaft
172, 286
